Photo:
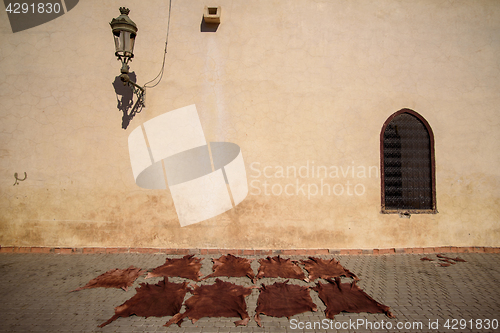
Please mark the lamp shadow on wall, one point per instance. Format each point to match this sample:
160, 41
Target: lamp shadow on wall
125, 100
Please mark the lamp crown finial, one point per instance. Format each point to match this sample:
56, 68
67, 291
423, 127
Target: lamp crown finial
124, 10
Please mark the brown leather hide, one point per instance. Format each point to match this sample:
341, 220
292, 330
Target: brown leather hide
231, 266
319, 268
283, 300
347, 297
158, 300
222, 299
187, 267
448, 261
279, 267
115, 278
444, 261
454, 259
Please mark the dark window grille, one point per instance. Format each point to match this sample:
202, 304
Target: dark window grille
407, 164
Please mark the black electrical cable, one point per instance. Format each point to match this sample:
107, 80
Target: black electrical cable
160, 74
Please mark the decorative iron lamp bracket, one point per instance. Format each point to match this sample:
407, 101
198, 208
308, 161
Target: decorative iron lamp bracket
138, 91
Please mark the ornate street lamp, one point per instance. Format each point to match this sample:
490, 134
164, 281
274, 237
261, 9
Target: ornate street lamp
124, 32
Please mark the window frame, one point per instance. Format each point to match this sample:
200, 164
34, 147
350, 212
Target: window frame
433, 166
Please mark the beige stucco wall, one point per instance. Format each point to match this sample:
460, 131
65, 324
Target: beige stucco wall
293, 83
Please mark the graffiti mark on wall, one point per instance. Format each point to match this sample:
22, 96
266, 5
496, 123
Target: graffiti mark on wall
19, 179
205, 180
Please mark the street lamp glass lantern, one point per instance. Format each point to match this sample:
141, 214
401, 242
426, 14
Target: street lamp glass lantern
124, 33
124, 43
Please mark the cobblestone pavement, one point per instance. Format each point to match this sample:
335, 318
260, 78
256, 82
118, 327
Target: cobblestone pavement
35, 296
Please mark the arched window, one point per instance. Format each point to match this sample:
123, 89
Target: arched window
407, 164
